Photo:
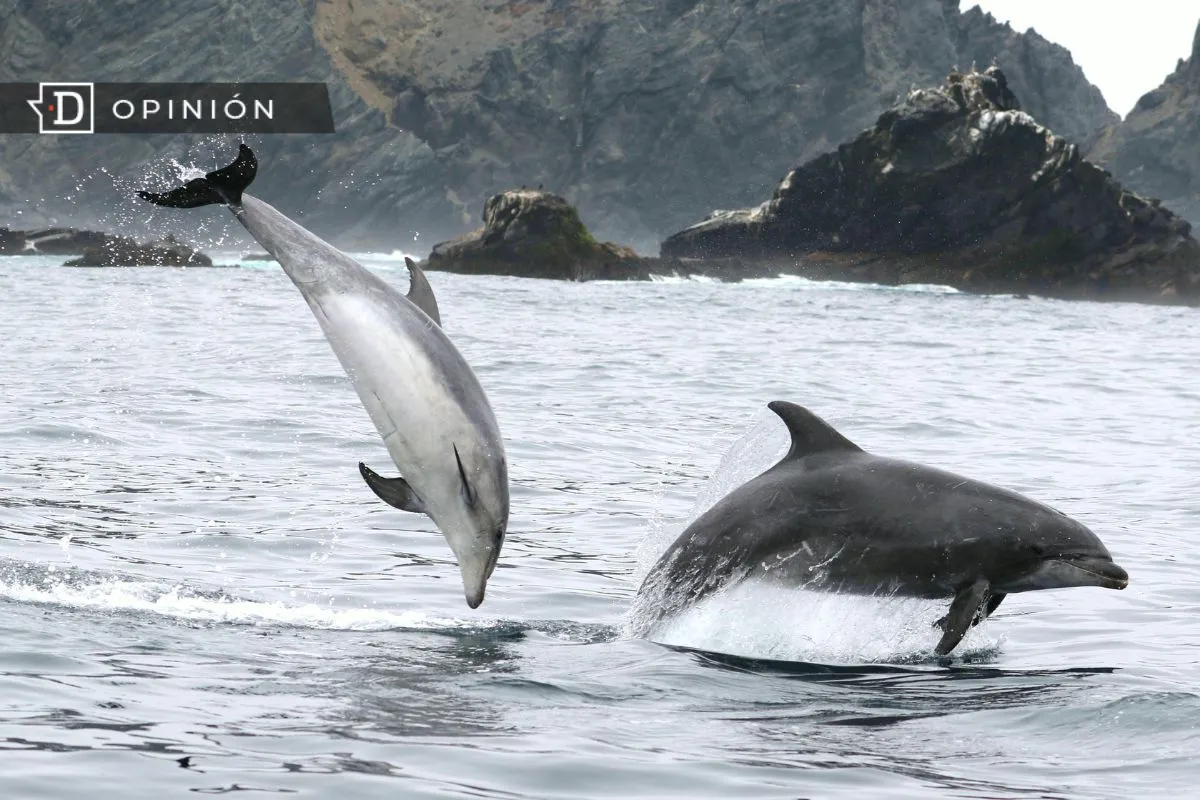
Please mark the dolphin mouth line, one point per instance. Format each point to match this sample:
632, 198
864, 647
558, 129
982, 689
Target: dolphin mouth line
1108, 575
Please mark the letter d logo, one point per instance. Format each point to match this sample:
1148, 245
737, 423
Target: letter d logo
65, 107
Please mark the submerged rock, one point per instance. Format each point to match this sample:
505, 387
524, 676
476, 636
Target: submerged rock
119, 251
534, 234
50, 241
957, 185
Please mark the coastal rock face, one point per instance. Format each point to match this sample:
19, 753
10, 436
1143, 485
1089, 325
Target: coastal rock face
957, 185
644, 113
119, 251
1156, 150
534, 234
370, 184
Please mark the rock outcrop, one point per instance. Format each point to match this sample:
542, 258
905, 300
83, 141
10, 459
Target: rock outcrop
958, 186
1156, 150
534, 234
1051, 86
50, 241
119, 251
643, 113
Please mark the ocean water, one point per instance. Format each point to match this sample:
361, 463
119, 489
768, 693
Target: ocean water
199, 595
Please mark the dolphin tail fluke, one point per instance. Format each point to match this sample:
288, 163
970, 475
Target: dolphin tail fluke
222, 186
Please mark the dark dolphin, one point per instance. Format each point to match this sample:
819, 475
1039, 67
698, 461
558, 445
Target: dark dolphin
834, 518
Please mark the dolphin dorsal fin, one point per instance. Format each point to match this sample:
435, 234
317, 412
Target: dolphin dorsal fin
810, 434
420, 293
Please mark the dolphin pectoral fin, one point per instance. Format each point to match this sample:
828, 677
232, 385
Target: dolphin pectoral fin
420, 293
394, 491
810, 434
961, 616
983, 613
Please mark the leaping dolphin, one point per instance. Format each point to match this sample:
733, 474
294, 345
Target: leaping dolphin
422, 396
832, 517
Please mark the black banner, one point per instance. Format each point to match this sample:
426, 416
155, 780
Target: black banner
83, 108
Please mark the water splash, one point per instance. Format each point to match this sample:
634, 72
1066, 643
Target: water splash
756, 620
82, 589
763, 444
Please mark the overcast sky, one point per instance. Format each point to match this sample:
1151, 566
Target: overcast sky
1126, 47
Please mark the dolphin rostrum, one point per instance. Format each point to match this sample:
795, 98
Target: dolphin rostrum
422, 396
831, 517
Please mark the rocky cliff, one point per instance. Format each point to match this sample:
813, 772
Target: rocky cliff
1156, 150
369, 183
644, 113
958, 185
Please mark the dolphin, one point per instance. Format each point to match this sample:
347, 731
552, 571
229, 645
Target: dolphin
831, 517
422, 396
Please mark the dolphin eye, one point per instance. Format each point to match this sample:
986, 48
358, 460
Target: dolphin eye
1038, 548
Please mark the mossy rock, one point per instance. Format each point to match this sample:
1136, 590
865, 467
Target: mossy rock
534, 234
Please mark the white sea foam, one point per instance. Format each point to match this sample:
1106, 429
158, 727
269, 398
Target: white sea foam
808, 284
682, 279
121, 594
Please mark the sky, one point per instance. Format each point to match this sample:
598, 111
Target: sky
1126, 47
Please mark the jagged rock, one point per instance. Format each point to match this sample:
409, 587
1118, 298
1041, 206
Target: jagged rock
1156, 150
958, 186
643, 113
119, 251
534, 234
1043, 74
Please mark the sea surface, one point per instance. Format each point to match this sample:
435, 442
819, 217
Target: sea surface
198, 594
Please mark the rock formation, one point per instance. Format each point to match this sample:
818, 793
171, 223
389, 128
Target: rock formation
644, 113
1156, 150
1051, 87
119, 251
534, 234
371, 183
958, 186
50, 242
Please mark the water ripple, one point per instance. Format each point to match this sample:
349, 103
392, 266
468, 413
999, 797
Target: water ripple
197, 594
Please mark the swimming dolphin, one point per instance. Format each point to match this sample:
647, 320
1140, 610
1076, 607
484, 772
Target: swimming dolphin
832, 517
425, 401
